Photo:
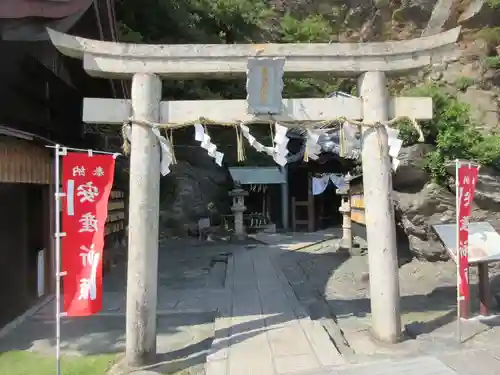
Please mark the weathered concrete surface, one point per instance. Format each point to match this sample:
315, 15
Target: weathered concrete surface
107, 59
143, 224
265, 330
191, 289
420, 366
379, 209
428, 305
114, 111
260, 327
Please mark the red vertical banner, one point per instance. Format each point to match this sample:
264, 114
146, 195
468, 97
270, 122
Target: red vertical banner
87, 181
466, 183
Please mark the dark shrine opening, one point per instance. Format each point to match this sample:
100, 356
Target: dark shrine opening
314, 202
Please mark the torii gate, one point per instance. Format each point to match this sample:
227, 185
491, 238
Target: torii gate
148, 64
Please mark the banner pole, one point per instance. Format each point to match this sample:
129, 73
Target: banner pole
457, 247
57, 236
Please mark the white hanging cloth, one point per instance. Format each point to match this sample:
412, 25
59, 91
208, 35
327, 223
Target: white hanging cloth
319, 184
338, 180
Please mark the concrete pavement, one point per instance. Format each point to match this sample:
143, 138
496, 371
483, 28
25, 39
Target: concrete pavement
261, 328
264, 329
466, 362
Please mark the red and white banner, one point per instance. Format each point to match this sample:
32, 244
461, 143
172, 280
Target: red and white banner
87, 181
466, 184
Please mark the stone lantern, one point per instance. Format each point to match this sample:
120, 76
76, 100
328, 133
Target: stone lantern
345, 210
238, 194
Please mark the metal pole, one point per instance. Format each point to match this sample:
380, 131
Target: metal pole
457, 247
84, 150
57, 235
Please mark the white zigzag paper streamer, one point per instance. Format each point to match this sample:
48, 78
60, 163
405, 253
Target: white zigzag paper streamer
352, 144
245, 130
313, 149
206, 143
279, 152
281, 143
165, 146
166, 152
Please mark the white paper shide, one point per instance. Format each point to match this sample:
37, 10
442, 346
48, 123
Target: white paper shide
279, 151
167, 155
205, 142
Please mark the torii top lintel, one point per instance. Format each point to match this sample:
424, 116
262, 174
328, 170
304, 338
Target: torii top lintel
176, 61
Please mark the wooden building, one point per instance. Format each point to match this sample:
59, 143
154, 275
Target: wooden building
41, 96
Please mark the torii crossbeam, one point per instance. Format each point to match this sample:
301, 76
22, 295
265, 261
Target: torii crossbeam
148, 64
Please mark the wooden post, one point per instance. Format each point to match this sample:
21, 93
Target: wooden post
285, 200
311, 225
379, 210
294, 214
142, 268
484, 290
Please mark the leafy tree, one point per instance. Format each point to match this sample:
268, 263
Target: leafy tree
453, 132
257, 21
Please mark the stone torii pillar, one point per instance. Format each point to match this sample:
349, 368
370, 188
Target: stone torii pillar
145, 63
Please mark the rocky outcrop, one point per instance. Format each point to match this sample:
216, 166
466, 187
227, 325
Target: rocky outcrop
410, 176
424, 204
194, 189
440, 15
483, 107
418, 212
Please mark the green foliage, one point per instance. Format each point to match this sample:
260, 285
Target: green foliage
453, 133
495, 4
313, 28
18, 362
397, 15
492, 62
407, 132
225, 21
257, 21
463, 83
491, 35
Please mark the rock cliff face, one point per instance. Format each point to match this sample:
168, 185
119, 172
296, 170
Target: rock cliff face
420, 204
188, 193
474, 77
